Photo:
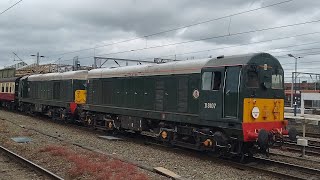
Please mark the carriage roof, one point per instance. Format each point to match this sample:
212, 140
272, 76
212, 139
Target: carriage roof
10, 79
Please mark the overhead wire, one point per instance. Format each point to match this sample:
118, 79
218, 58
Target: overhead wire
303, 62
301, 54
232, 46
286, 56
228, 47
227, 35
10, 7
244, 44
177, 28
214, 37
317, 53
208, 38
199, 39
295, 50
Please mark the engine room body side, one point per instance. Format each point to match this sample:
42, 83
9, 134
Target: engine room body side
176, 92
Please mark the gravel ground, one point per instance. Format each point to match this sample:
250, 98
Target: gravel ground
51, 153
188, 166
12, 170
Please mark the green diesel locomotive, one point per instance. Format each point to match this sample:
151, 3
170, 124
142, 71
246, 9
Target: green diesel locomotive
230, 105
224, 104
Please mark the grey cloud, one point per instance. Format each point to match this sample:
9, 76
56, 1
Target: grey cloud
54, 27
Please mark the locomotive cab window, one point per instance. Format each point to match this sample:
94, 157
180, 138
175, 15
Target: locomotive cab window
216, 81
252, 79
276, 78
211, 80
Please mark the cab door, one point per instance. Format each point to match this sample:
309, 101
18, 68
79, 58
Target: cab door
231, 92
211, 93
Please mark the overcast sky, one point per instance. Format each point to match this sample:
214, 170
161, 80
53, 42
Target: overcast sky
56, 27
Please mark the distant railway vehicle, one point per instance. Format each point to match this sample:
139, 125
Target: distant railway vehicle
230, 105
52, 93
9, 92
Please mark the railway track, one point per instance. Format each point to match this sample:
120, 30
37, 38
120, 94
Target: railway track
314, 143
310, 150
283, 169
13, 156
138, 164
313, 135
294, 157
275, 168
278, 169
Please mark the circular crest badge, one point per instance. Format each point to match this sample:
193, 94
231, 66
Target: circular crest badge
195, 93
255, 112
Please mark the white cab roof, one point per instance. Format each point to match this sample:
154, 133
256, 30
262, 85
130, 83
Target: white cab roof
81, 75
176, 67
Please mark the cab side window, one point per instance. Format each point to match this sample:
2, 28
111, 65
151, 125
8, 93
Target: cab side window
216, 81
206, 80
211, 80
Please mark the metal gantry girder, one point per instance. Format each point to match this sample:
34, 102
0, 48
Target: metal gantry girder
96, 58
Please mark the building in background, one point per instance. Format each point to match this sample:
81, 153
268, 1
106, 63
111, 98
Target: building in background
304, 87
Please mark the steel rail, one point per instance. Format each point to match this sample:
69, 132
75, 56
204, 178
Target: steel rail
30, 164
259, 165
313, 135
299, 172
262, 165
312, 150
299, 158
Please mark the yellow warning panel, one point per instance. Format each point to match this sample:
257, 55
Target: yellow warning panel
262, 110
80, 96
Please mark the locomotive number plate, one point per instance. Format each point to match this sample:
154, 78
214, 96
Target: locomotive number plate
210, 105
